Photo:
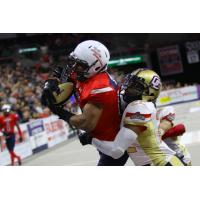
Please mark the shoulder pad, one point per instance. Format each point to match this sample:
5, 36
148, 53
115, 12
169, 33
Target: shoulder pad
138, 112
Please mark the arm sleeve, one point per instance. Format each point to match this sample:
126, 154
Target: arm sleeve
124, 139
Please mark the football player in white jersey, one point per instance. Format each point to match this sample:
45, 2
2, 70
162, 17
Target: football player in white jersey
139, 133
172, 133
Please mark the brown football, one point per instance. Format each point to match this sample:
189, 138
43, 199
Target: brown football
66, 91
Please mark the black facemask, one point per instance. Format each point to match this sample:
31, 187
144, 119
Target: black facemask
134, 89
81, 71
128, 97
80, 67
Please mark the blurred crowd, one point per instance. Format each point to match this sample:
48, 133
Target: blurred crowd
169, 85
21, 88
117, 75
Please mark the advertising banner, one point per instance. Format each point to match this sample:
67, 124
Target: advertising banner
38, 136
170, 60
179, 95
56, 129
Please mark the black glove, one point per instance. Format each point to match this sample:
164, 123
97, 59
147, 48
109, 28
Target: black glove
84, 138
62, 73
47, 98
20, 139
52, 84
57, 72
58, 110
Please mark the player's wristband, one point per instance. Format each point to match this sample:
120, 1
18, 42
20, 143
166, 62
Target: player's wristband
64, 114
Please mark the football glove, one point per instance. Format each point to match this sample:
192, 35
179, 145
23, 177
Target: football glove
84, 138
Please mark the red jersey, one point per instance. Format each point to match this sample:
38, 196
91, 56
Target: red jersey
101, 89
7, 123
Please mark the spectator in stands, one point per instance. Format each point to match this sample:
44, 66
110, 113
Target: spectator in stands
26, 117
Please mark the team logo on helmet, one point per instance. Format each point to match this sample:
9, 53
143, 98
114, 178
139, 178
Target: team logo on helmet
155, 82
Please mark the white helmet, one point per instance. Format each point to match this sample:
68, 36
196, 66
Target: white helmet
6, 108
93, 55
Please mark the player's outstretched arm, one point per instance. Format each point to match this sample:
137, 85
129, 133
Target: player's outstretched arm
124, 139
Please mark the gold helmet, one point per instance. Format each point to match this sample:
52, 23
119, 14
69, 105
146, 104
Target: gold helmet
141, 84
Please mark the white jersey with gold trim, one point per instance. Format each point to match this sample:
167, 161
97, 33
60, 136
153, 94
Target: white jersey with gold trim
174, 143
148, 149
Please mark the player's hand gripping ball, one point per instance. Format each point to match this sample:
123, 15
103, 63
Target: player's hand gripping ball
65, 92
56, 94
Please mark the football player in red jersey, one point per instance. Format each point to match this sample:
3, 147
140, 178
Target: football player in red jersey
8, 121
97, 95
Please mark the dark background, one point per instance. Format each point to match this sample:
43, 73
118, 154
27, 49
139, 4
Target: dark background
120, 45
